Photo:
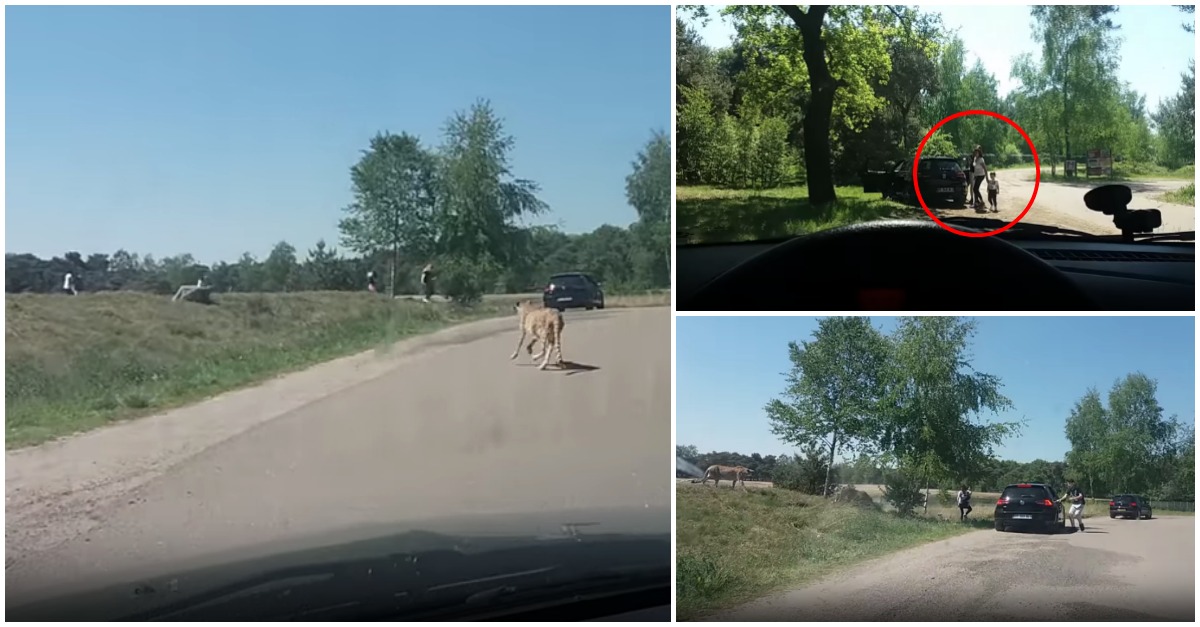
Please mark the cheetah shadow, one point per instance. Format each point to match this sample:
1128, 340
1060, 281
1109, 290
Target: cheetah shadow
567, 367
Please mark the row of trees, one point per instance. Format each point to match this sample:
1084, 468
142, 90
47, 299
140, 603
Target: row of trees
457, 205
908, 405
818, 93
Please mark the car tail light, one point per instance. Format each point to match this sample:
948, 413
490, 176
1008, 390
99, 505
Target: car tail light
1047, 502
1002, 500
550, 288
1133, 504
1024, 485
1112, 503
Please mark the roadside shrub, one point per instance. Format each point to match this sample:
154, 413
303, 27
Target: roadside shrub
805, 473
946, 498
903, 493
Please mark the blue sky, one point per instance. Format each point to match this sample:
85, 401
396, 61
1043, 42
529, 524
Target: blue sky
1154, 52
728, 368
218, 130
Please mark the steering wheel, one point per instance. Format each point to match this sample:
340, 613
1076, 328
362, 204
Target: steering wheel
891, 265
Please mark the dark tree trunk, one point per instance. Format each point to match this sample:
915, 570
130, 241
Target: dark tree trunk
817, 156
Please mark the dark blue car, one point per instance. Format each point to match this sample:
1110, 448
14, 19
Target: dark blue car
572, 290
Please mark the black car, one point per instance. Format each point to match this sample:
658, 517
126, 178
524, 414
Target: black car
1029, 506
1130, 506
941, 179
571, 290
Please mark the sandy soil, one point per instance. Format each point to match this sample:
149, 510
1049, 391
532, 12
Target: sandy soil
1115, 570
1061, 204
441, 425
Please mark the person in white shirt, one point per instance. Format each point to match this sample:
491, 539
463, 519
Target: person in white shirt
993, 193
964, 502
978, 174
69, 284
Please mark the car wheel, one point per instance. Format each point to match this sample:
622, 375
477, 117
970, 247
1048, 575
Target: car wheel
1113, 516
999, 526
588, 308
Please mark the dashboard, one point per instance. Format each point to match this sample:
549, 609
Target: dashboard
1117, 276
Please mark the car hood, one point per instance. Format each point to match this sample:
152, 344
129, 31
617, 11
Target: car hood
428, 568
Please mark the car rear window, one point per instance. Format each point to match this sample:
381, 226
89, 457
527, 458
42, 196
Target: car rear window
570, 280
930, 165
1032, 492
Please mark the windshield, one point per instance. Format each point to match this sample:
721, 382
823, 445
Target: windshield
572, 281
749, 169
277, 310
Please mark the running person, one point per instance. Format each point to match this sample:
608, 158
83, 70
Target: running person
964, 502
1076, 497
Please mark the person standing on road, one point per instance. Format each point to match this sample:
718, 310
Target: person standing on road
427, 281
978, 174
1076, 498
964, 502
994, 193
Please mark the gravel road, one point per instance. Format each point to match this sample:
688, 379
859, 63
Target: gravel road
1116, 570
441, 425
1061, 204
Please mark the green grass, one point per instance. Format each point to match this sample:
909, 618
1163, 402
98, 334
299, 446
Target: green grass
711, 214
77, 363
1128, 172
1185, 195
733, 545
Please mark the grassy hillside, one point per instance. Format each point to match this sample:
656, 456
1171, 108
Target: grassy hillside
736, 545
77, 363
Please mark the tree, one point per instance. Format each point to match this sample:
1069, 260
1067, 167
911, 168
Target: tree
933, 397
1078, 54
1127, 446
833, 389
394, 198
648, 189
480, 203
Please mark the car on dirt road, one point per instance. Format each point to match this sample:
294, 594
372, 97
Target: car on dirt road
1130, 506
1029, 506
571, 290
941, 179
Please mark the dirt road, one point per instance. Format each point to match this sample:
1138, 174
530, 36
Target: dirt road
443, 425
1061, 204
1117, 569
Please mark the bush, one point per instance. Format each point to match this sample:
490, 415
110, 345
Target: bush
903, 493
465, 282
804, 473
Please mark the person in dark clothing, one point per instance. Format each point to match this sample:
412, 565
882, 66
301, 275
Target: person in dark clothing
371, 285
1076, 498
427, 278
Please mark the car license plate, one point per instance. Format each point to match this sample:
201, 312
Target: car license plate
945, 190
1023, 516
563, 299
1120, 509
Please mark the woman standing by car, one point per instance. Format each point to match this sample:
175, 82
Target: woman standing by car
978, 174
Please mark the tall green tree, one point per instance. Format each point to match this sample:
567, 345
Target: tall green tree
394, 187
1128, 446
833, 390
1079, 53
932, 419
648, 190
480, 202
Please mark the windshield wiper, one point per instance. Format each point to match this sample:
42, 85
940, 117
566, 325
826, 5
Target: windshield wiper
1178, 236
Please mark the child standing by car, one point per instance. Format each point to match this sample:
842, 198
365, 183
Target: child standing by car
993, 192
